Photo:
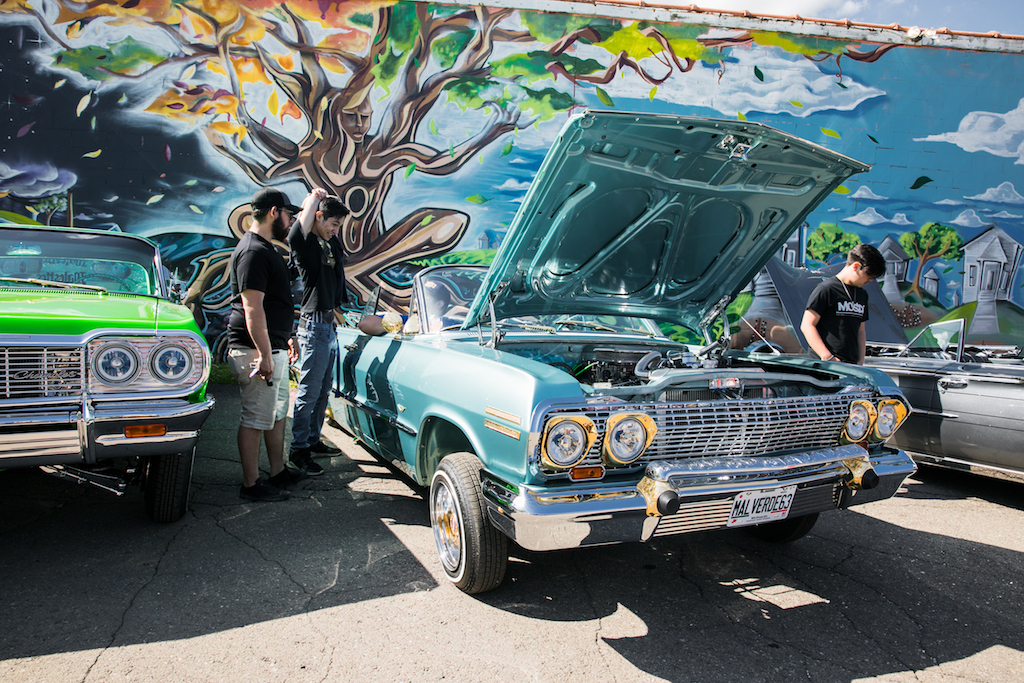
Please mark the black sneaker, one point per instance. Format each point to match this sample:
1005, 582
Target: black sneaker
324, 448
287, 478
304, 461
263, 492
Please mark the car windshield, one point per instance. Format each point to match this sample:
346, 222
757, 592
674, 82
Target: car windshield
938, 340
448, 292
52, 258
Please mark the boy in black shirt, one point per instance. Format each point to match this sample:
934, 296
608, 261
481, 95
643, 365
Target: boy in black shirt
837, 309
318, 253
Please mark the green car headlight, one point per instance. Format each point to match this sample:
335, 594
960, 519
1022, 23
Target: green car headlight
116, 363
862, 417
891, 414
567, 438
171, 363
627, 436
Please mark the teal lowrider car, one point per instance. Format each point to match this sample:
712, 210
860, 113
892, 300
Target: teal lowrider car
543, 406
102, 376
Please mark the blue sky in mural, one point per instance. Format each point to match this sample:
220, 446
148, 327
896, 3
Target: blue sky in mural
1005, 16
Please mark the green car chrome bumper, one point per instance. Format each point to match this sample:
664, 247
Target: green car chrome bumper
90, 432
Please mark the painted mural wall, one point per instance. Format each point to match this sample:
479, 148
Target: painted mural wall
161, 118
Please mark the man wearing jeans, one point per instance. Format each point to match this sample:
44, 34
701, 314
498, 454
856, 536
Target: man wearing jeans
318, 253
259, 329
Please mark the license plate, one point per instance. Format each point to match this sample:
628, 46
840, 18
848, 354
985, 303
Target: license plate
757, 507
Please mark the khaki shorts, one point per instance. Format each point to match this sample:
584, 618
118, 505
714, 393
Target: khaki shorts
262, 405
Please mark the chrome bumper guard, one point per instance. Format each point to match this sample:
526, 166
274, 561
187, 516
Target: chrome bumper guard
90, 433
701, 491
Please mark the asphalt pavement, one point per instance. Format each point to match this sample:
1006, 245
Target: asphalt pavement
341, 583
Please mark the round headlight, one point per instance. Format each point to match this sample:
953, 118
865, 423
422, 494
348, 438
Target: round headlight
859, 422
171, 363
891, 414
116, 364
566, 441
627, 437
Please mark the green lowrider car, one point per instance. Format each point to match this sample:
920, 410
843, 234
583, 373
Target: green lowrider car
543, 405
102, 376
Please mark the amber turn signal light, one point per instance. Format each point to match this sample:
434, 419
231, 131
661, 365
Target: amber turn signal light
135, 431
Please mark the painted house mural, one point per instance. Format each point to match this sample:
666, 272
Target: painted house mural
162, 117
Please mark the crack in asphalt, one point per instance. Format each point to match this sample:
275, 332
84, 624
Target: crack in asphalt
131, 603
592, 604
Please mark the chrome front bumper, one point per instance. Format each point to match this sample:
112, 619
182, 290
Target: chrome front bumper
552, 519
90, 432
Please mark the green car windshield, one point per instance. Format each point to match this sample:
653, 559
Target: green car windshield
448, 292
75, 260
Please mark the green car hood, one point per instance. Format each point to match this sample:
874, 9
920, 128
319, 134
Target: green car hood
654, 216
28, 310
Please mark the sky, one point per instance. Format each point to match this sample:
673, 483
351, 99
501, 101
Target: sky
981, 16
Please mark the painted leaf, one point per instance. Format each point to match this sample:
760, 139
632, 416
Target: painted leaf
842, 189
451, 150
507, 149
60, 83
605, 99
427, 219
740, 116
195, 208
650, 95
831, 133
843, 86
920, 182
758, 74
82, 104
167, 152
92, 123
219, 188
477, 199
27, 100
23, 131
190, 183
409, 170
154, 199
796, 103
272, 103
433, 127
92, 155
318, 135
128, 57
873, 139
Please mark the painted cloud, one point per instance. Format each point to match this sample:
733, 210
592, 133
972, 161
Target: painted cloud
868, 216
985, 131
787, 78
1005, 193
864, 192
968, 219
35, 180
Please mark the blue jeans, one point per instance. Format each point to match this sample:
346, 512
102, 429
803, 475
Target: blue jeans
317, 343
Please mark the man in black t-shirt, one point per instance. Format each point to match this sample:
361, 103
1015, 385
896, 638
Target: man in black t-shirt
317, 252
259, 329
837, 309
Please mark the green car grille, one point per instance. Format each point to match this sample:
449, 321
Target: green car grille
41, 372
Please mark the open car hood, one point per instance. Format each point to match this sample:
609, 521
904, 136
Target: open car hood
654, 216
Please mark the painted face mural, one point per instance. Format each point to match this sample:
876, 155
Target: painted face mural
161, 118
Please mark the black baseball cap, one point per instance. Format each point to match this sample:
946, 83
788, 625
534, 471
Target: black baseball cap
267, 198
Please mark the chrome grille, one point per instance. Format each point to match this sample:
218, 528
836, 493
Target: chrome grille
730, 427
36, 372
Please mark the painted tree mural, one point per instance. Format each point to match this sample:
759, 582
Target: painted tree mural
830, 240
284, 90
932, 241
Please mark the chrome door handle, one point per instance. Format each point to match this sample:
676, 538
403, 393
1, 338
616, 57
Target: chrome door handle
950, 383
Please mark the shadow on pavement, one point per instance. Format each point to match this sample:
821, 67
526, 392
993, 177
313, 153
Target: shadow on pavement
82, 569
